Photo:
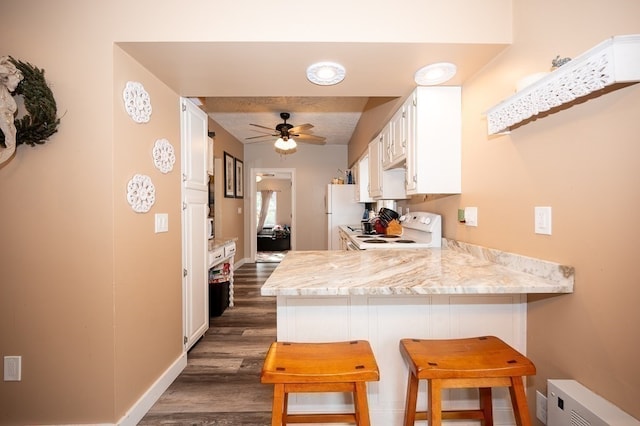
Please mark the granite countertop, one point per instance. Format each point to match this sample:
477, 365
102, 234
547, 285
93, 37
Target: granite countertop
457, 268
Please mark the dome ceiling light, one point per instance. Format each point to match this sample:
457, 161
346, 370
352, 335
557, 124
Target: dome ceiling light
435, 74
326, 73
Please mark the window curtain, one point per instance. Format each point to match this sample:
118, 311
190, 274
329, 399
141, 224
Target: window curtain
264, 207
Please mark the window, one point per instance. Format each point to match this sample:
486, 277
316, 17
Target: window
270, 220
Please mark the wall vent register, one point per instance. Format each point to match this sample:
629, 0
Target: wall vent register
571, 404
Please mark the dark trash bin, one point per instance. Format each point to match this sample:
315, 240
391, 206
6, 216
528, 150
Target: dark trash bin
218, 298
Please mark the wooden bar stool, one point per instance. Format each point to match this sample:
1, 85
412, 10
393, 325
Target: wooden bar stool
480, 362
320, 367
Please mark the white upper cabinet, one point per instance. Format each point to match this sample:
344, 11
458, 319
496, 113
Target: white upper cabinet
193, 128
433, 154
395, 141
384, 184
361, 175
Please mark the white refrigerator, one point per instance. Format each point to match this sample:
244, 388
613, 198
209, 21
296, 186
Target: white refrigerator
341, 209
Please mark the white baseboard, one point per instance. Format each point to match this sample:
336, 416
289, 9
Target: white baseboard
240, 262
146, 401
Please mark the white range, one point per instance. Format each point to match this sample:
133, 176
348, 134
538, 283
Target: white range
419, 230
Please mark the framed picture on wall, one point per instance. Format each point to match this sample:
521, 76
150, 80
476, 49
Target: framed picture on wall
229, 168
239, 178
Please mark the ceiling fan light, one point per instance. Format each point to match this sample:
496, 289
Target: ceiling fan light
285, 145
326, 73
435, 74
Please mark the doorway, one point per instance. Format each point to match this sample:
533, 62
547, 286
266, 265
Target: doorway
277, 234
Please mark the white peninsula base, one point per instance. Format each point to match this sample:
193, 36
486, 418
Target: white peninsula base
383, 321
385, 295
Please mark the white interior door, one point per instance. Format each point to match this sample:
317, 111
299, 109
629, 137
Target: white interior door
195, 181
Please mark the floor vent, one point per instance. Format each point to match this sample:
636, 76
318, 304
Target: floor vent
571, 404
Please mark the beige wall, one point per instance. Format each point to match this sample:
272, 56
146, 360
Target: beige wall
229, 222
314, 166
583, 162
147, 266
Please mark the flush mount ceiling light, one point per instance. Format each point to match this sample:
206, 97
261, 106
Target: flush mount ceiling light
435, 74
325, 73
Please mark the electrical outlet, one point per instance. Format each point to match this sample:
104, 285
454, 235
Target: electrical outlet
542, 220
471, 216
541, 407
12, 368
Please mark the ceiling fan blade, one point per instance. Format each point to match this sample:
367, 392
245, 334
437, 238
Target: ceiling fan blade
300, 128
263, 127
248, 143
261, 136
313, 142
303, 136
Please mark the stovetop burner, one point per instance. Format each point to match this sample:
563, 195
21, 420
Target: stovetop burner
420, 230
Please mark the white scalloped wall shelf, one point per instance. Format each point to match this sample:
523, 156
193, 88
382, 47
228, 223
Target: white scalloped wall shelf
615, 60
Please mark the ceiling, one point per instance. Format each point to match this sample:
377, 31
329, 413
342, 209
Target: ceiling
253, 82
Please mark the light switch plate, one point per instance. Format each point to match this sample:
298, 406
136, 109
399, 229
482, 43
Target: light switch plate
12, 368
162, 222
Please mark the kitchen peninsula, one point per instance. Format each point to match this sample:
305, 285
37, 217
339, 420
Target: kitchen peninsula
382, 296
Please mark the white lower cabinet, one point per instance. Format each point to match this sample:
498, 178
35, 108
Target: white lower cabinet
383, 321
433, 157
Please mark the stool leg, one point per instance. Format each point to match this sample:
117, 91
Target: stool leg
278, 404
434, 405
486, 405
360, 404
519, 402
411, 400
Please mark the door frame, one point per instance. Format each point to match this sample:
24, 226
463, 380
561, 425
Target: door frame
253, 234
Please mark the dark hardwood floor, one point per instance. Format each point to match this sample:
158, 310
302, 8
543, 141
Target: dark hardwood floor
221, 383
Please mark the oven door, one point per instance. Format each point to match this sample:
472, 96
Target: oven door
351, 246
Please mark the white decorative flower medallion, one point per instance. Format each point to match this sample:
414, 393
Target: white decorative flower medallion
163, 155
137, 102
141, 194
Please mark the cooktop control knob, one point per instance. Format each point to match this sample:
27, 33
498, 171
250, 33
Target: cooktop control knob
425, 220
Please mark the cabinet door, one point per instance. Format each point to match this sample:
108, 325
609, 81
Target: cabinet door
195, 144
398, 137
434, 158
362, 180
410, 117
375, 165
195, 206
386, 145
196, 310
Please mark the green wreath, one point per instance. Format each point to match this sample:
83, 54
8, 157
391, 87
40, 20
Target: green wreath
41, 121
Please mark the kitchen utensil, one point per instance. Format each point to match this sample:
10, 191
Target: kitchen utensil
387, 215
367, 227
379, 226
